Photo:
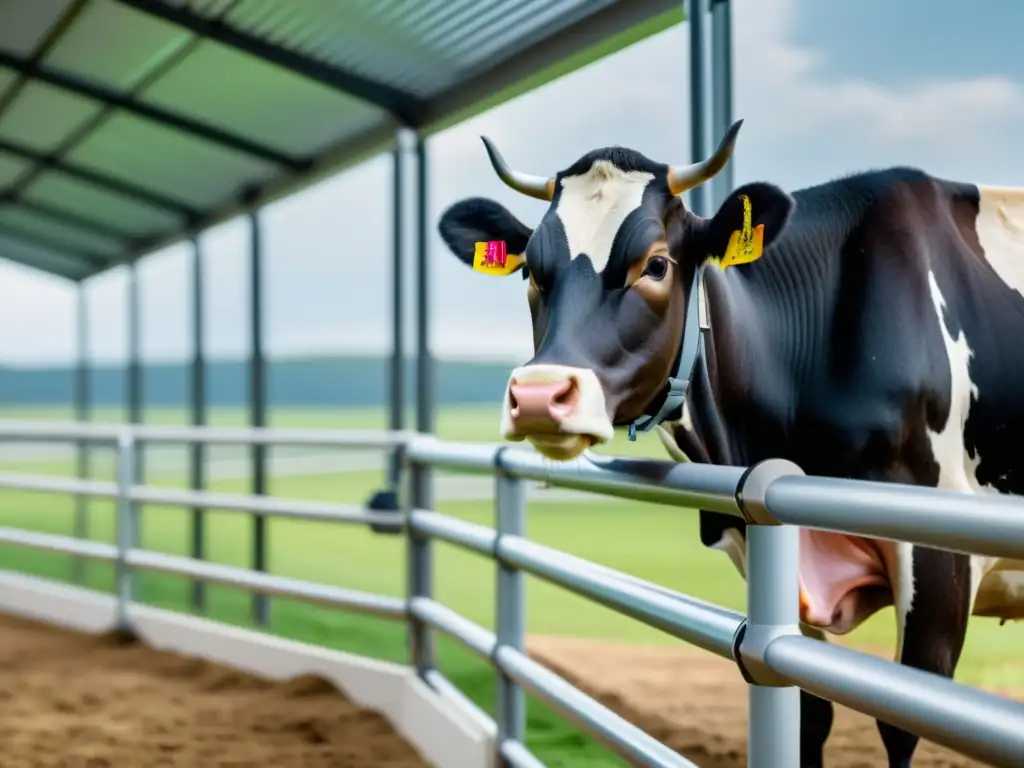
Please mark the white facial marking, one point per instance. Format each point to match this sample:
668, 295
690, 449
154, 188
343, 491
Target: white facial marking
589, 417
593, 206
1000, 228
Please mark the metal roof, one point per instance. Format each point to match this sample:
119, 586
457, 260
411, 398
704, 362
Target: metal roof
128, 124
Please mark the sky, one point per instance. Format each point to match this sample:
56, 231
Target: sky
824, 89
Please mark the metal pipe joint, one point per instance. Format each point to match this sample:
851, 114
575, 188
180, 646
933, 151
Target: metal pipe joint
753, 487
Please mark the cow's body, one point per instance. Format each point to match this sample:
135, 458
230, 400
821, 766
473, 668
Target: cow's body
878, 337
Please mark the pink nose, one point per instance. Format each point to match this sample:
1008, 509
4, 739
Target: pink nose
542, 407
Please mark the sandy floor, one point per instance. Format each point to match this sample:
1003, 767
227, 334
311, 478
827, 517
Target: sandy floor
76, 701
697, 703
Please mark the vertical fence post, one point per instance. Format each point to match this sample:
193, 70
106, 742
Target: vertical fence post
127, 526
510, 497
84, 449
419, 567
197, 396
134, 397
257, 406
773, 731
400, 217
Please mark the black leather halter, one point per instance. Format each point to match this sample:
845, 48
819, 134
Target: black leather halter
695, 328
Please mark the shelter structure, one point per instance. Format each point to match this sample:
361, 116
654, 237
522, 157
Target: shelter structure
199, 111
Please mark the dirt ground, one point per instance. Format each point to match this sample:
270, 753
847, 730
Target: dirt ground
75, 701
696, 703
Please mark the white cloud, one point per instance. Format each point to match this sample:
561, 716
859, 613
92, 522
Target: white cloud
859, 122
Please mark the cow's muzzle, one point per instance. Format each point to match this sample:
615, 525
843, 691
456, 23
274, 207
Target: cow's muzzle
561, 410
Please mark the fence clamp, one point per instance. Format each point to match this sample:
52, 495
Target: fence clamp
753, 486
748, 649
777, 561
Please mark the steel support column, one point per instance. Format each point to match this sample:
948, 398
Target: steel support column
396, 417
82, 414
426, 395
698, 111
197, 457
133, 389
257, 410
721, 91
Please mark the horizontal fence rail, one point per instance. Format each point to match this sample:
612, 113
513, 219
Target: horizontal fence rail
774, 498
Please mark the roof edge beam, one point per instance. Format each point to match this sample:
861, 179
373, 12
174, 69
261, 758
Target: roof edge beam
109, 183
56, 250
523, 66
172, 120
52, 268
77, 220
401, 104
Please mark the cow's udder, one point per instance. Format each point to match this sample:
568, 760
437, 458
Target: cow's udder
843, 580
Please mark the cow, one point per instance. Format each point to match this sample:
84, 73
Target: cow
865, 328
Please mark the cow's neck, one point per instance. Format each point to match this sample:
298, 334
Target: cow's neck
744, 394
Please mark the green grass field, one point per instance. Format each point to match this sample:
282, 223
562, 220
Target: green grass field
657, 543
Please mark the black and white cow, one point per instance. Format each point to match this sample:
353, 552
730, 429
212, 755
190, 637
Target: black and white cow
879, 336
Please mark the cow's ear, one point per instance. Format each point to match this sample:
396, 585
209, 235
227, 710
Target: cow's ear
477, 220
747, 223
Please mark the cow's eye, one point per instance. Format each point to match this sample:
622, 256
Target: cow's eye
656, 267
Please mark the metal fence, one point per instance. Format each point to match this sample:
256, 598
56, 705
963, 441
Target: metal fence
772, 497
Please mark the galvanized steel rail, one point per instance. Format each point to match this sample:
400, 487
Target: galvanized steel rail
772, 497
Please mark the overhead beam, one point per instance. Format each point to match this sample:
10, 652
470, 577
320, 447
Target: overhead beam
109, 183
523, 65
82, 222
172, 120
404, 106
90, 260
55, 265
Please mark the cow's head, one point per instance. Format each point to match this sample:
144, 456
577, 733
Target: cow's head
607, 269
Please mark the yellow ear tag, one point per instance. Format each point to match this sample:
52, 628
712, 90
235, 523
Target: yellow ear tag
491, 258
745, 245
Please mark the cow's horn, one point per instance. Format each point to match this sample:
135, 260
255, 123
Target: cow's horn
539, 187
684, 177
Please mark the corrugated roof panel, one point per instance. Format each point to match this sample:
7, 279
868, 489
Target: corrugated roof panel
26, 22
13, 218
11, 168
191, 170
132, 44
472, 41
232, 90
42, 258
351, 36
452, 54
80, 197
41, 116
207, 7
